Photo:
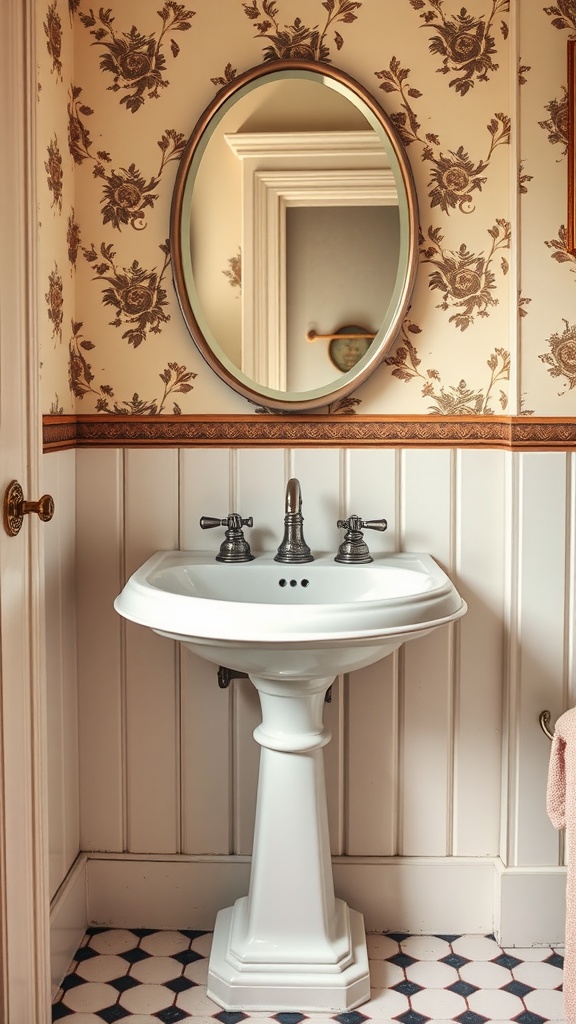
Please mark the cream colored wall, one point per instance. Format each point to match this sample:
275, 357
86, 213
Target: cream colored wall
59, 480
480, 246
57, 217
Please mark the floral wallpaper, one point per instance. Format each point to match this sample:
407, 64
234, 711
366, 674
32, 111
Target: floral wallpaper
478, 96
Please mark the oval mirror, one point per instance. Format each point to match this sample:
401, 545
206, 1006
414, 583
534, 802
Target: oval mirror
293, 221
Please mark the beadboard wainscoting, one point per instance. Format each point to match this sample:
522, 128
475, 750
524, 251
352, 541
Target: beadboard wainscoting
437, 767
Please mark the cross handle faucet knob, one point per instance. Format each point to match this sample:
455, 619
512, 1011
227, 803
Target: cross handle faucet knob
234, 547
353, 549
354, 523
233, 521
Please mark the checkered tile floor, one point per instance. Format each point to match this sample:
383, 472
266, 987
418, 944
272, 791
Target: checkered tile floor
159, 977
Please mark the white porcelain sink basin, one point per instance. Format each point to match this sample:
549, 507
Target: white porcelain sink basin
262, 616
290, 943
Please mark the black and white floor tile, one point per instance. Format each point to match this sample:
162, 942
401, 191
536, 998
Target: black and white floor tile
145, 976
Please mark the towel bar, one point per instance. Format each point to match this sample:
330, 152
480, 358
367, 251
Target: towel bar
314, 336
544, 719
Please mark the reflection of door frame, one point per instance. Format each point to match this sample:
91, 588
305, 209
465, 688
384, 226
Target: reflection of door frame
281, 169
24, 903
264, 274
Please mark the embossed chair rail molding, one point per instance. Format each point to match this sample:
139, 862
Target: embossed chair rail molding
293, 431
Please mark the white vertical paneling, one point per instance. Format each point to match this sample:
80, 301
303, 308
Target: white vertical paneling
69, 652
58, 479
151, 517
261, 488
372, 722
55, 639
101, 700
206, 478
371, 493
427, 503
425, 782
206, 759
414, 763
480, 578
319, 473
426, 698
246, 761
204, 491
372, 760
542, 643
510, 705
334, 768
569, 697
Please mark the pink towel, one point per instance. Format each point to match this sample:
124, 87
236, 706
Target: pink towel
561, 806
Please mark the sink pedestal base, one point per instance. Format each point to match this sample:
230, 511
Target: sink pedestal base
289, 944
298, 986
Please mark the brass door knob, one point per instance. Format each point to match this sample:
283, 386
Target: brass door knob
15, 508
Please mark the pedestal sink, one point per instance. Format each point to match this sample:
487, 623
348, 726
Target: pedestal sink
290, 944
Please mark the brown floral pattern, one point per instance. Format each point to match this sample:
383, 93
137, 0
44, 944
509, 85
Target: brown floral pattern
54, 173
80, 376
55, 302
56, 409
136, 61
79, 141
522, 69
344, 406
229, 75
466, 279
563, 15
557, 123
561, 359
126, 194
299, 41
460, 50
454, 176
73, 239
464, 42
523, 179
460, 400
136, 294
234, 271
560, 251
176, 379
53, 33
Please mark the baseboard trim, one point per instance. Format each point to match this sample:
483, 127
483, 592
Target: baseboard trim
531, 905
419, 895
163, 892
68, 920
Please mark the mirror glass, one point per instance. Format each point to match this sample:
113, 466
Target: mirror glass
294, 235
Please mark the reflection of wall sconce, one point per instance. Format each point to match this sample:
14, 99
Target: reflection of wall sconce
571, 226
347, 345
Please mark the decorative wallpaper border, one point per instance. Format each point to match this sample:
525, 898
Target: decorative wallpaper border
513, 433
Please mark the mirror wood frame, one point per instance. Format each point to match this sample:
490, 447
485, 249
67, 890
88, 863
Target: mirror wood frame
266, 398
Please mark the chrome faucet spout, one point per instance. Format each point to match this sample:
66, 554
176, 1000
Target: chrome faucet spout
293, 548
293, 496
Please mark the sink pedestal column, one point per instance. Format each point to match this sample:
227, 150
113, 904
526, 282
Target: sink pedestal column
289, 944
